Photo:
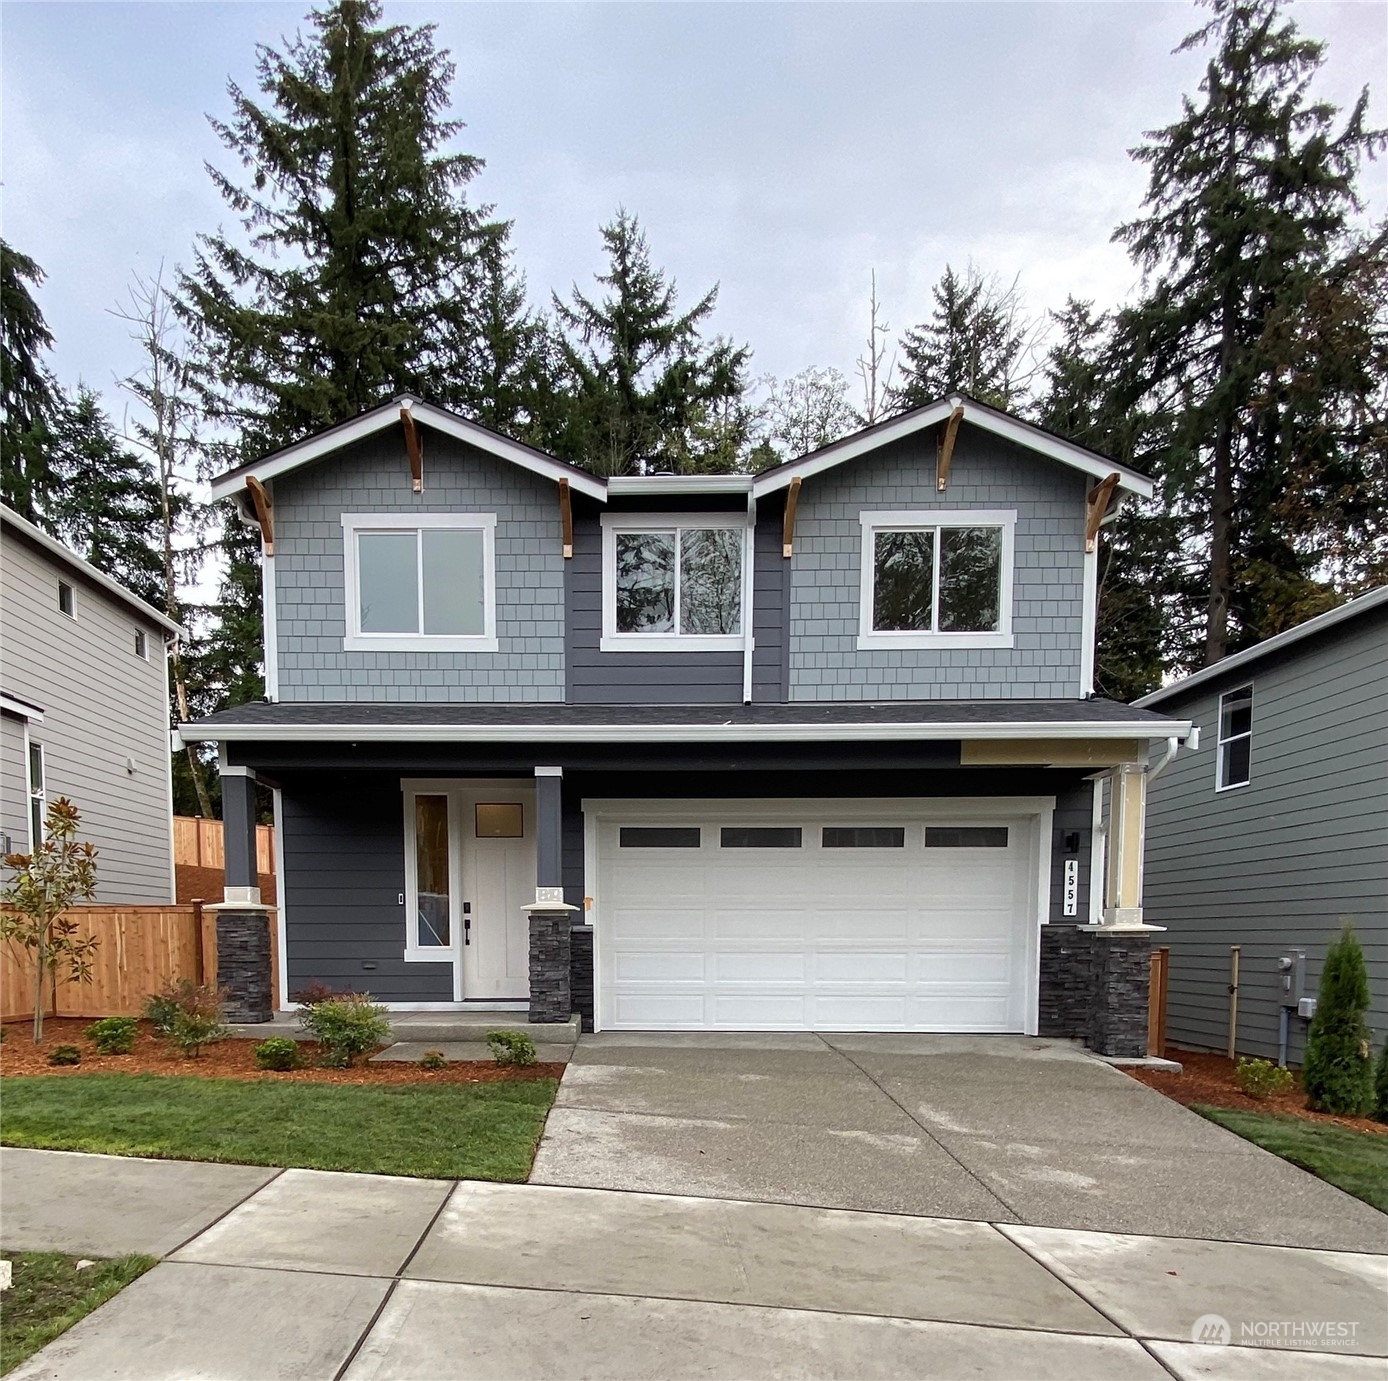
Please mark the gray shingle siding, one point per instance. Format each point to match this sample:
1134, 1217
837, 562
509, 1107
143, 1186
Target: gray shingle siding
373, 477
1284, 861
987, 472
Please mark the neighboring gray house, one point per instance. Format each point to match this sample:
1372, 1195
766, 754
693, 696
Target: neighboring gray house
807, 749
1275, 832
84, 712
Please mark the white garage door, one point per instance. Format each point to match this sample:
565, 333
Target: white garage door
717, 920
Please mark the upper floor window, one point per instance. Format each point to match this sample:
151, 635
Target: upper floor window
141, 644
937, 579
422, 583
1235, 762
67, 600
38, 796
673, 582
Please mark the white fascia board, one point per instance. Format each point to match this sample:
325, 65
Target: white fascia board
1319, 624
74, 562
673, 733
1053, 447
680, 484
441, 420
13, 705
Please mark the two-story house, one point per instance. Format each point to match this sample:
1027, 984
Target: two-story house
806, 749
84, 712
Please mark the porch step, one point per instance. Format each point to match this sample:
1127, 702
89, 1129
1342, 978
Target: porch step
410, 1052
432, 1030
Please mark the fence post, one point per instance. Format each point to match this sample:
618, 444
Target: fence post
199, 948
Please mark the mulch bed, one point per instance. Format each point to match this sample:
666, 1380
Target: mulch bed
229, 1059
1209, 1079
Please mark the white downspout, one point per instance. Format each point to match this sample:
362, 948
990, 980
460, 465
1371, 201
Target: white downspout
749, 556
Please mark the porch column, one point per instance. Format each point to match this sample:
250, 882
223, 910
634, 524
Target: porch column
551, 993
243, 922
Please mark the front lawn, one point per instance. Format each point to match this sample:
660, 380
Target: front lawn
49, 1294
1354, 1161
453, 1131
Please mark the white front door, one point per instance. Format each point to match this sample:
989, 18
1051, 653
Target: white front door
470, 868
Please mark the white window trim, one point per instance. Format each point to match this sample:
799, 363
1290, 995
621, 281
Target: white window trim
916, 520
30, 795
612, 640
1220, 740
71, 588
142, 640
357, 641
414, 951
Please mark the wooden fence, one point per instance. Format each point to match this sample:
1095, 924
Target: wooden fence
198, 844
1156, 1001
141, 948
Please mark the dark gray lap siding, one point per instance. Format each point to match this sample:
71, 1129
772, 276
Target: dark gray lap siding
344, 871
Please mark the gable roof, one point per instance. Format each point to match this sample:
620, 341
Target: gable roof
69, 558
1375, 599
978, 414
324, 443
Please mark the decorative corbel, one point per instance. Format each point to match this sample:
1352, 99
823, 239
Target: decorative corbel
1096, 505
414, 448
566, 518
264, 513
944, 447
788, 526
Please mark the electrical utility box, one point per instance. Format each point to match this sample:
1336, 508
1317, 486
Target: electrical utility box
1291, 970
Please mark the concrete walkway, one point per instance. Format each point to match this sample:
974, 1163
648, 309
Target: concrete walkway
1000, 1129
309, 1275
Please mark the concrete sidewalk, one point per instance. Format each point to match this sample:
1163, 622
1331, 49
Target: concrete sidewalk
1003, 1129
303, 1274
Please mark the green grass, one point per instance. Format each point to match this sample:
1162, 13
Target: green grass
1356, 1162
49, 1295
454, 1131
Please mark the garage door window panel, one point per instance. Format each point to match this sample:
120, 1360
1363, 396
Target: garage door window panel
966, 837
760, 837
940, 579
863, 837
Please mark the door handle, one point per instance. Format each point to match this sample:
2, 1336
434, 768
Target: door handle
467, 922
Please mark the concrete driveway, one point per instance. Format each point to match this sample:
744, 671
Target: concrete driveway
999, 1129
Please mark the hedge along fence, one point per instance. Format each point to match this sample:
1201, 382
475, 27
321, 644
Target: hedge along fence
140, 950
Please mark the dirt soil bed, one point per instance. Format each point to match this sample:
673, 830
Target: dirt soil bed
230, 1059
1209, 1079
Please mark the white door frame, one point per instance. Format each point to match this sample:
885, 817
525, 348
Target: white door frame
846, 809
462, 793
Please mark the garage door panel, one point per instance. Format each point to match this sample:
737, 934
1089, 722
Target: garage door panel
785, 966
754, 1010
783, 924
863, 966
661, 966
659, 1011
860, 1011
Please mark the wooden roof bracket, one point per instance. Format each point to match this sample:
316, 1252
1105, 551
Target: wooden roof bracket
414, 448
944, 447
264, 513
566, 518
788, 526
1096, 505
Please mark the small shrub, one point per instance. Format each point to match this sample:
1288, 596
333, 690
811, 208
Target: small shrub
432, 1059
1338, 1068
1381, 1086
350, 1025
113, 1035
179, 995
188, 1014
1262, 1078
316, 992
193, 1030
333, 1059
65, 1055
278, 1053
511, 1047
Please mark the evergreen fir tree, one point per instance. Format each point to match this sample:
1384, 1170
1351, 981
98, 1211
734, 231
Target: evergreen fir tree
974, 342
1337, 1070
29, 396
1381, 1085
1250, 203
105, 501
646, 392
353, 280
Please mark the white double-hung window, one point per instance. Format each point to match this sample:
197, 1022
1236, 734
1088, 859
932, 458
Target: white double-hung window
936, 578
673, 582
420, 583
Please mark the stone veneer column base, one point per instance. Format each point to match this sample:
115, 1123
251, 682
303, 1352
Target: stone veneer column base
550, 992
1120, 969
581, 973
243, 963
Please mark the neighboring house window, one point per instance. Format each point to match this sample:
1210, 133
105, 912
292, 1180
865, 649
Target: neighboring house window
67, 601
936, 579
425, 583
1235, 738
673, 582
141, 644
38, 796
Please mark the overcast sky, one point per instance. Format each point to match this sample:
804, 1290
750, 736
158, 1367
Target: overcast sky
783, 151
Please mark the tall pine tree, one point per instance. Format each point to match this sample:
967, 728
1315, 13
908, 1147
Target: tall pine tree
353, 279
1250, 205
645, 391
974, 342
29, 396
